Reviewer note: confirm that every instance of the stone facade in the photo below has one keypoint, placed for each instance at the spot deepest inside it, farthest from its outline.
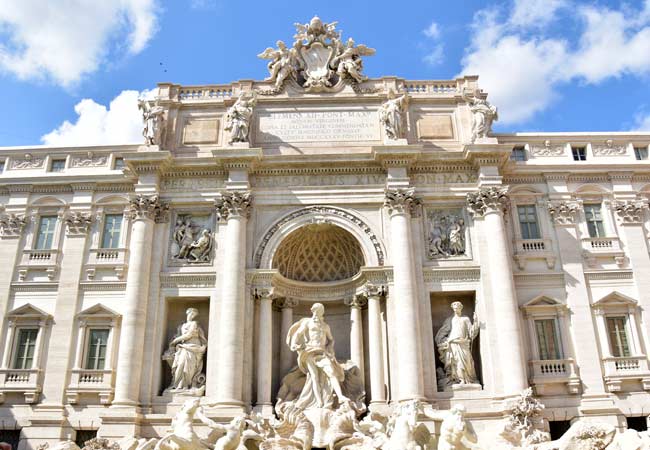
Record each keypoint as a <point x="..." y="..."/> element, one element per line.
<point x="249" y="203"/>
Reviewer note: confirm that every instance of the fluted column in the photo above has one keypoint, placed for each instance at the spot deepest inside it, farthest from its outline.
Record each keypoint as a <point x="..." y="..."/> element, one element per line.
<point x="264" y="349"/>
<point x="356" y="330"/>
<point x="375" y="344"/>
<point x="145" y="210"/>
<point x="234" y="208"/>
<point x="287" y="357"/>
<point x="489" y="205"/>
<point x="400" y="203"/>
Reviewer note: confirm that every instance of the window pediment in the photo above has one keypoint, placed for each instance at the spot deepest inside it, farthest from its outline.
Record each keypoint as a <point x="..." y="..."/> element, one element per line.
<point x="28" y="312"/>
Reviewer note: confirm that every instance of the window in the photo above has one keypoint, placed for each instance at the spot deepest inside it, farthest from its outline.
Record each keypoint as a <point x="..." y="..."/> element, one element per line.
<point x="641" y="153"/>
<point x="2" y="166"/>
<point x="618" y="342"/>
<point x="83" y="436"/>
<point x="579" y="153"/>
<point x="25" y="348"/>
<point x="97" y="343"/>
<point x="111" y="231"/>
<point x="118" y="164"/>
<point x="557" y="428"/>
<point x="518" y="153"/>
<point x="528" y="222"/>
<point x="11" y="437"/>
<point x="45" y="235"/>
<point x="57" y="165"/>
<point x="547" y="339"/>
<point x="594" y="217"/>
<point x="639" y="423"/>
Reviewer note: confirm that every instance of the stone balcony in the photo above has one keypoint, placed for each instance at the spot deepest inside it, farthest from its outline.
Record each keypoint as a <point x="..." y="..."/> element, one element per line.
<point x="549" y="372"/>
<point x="602" y="247"/>
<point x="115" y="259"/>
<point x="528" y="249"/>
<point x="92" y="382"/>
<point x="39" y="260"/>
<point x="24" y="381"/>
<point x="630" y="368"/>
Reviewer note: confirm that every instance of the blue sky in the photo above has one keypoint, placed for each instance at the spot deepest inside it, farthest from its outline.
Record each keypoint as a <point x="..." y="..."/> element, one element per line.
<point x="71" y="70"/>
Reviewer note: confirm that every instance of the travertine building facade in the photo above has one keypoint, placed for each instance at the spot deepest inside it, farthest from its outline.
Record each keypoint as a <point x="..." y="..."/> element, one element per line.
<point x="386" y="200"/>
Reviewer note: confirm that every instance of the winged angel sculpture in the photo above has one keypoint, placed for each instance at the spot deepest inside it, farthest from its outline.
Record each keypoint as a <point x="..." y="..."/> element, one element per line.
<point x="318" y="59"/>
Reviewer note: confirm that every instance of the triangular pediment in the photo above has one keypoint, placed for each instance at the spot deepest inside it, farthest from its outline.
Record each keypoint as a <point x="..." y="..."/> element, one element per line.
<point x="543" y="300"/>
<point x="615" y="298"/>
<point x="98" y="310"/>
<point x="28" y="311"/>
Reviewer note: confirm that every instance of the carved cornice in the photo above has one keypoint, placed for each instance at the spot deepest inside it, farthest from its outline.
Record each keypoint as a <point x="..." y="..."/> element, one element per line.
<point x="187" y="280"/>
<point x="401" y="201"/>
<point x="563" y="212"/>
<point x="455" y="275"/>
<point x="631" y="211"/>
<point x="149" y="207"/>
<point x="493" y="199"/>
<point x="11" y="225"/>
<point x="234" y="204"/>
<point x="77" y="222"/>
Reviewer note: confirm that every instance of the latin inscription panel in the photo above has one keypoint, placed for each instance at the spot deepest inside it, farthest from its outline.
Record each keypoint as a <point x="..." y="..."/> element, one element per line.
<point x="317" y="126"/>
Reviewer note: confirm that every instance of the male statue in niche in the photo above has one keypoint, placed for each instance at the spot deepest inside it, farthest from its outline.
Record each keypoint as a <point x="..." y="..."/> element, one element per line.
<point x="454" y="342"/>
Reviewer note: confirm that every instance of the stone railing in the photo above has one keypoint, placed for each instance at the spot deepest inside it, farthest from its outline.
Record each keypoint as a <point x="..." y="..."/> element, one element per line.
<point x="91" y="382"/>
<point x="39" y="257"/>
<point x="533" y="245"/>
<point x="529" y="249"/>
<point x="24" y="381"/>
<point x="547" y="372"/>
<point x="601" y="244"/>
<point x="620" y="369"/>
<point x="107" y="258"/>
<point x="434" y="87"/>
<point x="211" y="92"/>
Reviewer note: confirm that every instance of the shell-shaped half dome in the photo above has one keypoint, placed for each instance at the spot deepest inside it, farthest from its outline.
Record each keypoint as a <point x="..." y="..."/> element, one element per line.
<point x="319" y="253"/>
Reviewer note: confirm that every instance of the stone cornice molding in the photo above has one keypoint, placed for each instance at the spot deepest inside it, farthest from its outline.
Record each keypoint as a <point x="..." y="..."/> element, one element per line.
<point x="233" y="204"/>
<point x="143" y="206"/>
<point x="150" y="160"/>
<point x="19" y="188"/>
<point x="486" y="200"/>
<point x="401" y="201"/>
<point x="631" y="211"/>
<point x="238" y="158"/>
<point x="396" y="155"/>
<point x="77" y="223"/>
<point x="556" y="176"/>
<point x="11" y="225"/>
<point x="487" y="154"/>
<point x="564" y="212"/>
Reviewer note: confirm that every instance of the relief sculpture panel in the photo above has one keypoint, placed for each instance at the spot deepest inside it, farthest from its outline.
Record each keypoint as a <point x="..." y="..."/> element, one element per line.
<point x="192" y="241"/>
<point x="446" y="234"/>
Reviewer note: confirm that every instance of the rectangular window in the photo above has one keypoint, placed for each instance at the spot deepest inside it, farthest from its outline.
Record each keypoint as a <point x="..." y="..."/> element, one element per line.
<point x="2" y="166"/>
<point x="57" y="165"/>
<point x="579" y="153"/>
<point x="547" y="339"/>
<point x="111" y="231"/>
<point x="528" y="222"/>
<point x="518" y="153"/>
<point x="641" y="153"/>
<point x="618" y="342"/>
<point x="97" y="342"/>
<point x="118" y="164"/>
<point x="594" y="216"/>
<point x="25" y="348"/>
<point x="45" y="235"/>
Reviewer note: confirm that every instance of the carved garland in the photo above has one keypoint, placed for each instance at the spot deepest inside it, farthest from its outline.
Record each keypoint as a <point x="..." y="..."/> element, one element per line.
<point x="319" y="210"/>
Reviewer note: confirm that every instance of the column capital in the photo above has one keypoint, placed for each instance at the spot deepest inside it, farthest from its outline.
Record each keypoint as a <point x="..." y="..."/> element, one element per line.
<point x="11" y="225"/>
<point x="356" y="301"/>
<point x="77" y="222"/>
<point x="285" y="302"/>
<point x="401" y="201"/>
<point x="563" y="212"/>
<point x="143" y="206"/>
<point x="370" y="290"/>
<point x="265" y="293"/>
<point x="631" y="211"/>
<point x="488" y="200"/>
<point x="234" y="204"/>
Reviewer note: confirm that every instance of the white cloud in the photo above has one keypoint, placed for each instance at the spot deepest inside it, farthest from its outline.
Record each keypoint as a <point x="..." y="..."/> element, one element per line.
<point x="641" y="122"/>
<point x="120" y="123"/>
<point x="521" y="67"/>
<point x="436" y="53"/>
<point x="432" y="31"/>
<point x="63" y="40"/>
<point x="535" y="12"/>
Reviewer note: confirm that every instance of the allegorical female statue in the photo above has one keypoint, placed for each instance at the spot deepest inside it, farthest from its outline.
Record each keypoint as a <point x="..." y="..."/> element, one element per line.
<point x="454" y="341"/>
<point x="239" y="116"/>
<point x="392" y="115"/>
<point x="312" y="339"/>
<point x="185" y="356"/>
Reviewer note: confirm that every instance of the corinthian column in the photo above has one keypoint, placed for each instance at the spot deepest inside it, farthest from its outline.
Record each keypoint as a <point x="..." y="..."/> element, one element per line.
<point x="145" y="210"/>
<point x="400" y="203"/>
<point x="356" y="330"/>
<point x="489" y="205"/>
<point x="234" y="207"/>
<point x="265" y="351"/>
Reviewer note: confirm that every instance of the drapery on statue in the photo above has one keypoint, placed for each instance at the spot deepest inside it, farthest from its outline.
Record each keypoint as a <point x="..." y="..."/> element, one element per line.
<point x="349" y="62"/>
<point x="238" y="117"/>
<point x="185" y="355"/>
<point x="392" y="115"/>
<point x="312" y="339"/>
<point x="483" y="114"/>
<point x="283" y="63"/>
<point x="454" y="341"/>
<point x="153" y="118"/>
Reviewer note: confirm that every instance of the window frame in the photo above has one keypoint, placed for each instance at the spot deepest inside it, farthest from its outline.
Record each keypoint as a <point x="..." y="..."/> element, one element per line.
<point x="518" y="207"/>
<point x="559" y="351"/>
<point x="17" y="344"/>
<point x="37" y="231"/>
<point x="543" y="307"/>
<point x="616" y="305"/>
<point x="103" y="230"/>
<point x="613" y="346"/>
<point x="637" y="152"/>
<point x="57" y="159"/>
<point x="24" y="317"/>
<point x="579" y="152"/>
<point x="519" y="150"/>
<point x="604" y="229"/>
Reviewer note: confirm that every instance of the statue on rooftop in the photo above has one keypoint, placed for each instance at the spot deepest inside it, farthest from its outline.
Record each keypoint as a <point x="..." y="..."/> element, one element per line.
<point x="238" y="117"/>
<point x="392" y="115"/>
<point x="483" y="114"/>
<point x="153" y="118"/>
